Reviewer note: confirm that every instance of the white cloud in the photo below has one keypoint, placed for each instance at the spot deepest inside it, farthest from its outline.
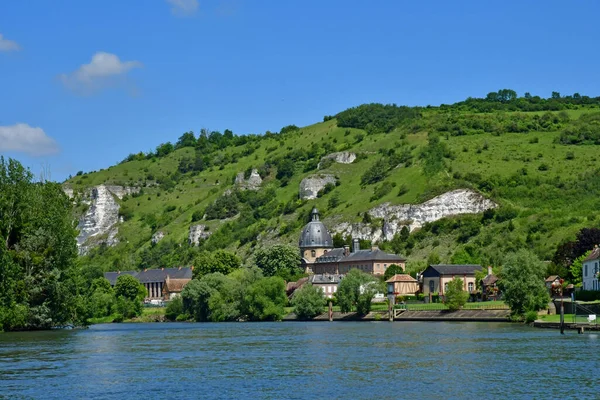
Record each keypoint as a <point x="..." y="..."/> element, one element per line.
<point x="8" y="45"/>
<point x="104" y="69"/>
<point x="27" y="139"/>
<point x="183" y="8"/>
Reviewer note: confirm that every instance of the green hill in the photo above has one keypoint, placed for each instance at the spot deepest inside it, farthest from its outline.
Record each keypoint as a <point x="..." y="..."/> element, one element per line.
<point x="536" y="158"/>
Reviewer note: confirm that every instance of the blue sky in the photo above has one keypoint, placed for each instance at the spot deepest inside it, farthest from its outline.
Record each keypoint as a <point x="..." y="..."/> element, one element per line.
<point x="85" y="83"/>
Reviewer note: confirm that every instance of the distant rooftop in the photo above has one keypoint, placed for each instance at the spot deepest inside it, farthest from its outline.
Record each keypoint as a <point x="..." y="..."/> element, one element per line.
<point x="151" y="275"/>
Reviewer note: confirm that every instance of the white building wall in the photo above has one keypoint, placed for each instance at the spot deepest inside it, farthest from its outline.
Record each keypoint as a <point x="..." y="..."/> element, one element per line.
<point x="590" y="279"/>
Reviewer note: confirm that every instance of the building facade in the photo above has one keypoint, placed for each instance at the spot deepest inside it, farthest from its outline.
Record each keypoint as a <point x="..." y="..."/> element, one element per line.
<point x="436" y="277"/>
<point x="591" y="270"/>
<point x="320" y="257"/>
<point x="402" y="285"/>
<point x="153" y="279"/>
<point x="326" y="282"/>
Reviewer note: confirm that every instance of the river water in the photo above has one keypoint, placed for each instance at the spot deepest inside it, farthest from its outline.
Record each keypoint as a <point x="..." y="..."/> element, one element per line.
<point x="294" y="360"/>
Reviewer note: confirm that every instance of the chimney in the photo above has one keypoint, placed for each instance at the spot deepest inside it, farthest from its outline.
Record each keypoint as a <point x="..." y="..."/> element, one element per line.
<point x="355" y="245"/>
<point x="346" y="250"/>
<point x="489" y="269"/>
<point x="374" y="248"/>
<point x="192" y="267"/>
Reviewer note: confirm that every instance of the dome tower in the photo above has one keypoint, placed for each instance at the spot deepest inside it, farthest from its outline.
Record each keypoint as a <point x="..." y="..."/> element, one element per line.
<point x="315" y="239"/>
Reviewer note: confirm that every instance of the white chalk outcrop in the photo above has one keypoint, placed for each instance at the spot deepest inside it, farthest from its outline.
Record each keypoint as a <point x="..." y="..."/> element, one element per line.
<point x="197" y="233"/>
<point x="310" y="186"/>
<point x="413" y="216"/>
<point x="99" y="224"/>
<point x="344" y="157"/>
<point x="252" y="183"/>
<point x="157" y="237"/>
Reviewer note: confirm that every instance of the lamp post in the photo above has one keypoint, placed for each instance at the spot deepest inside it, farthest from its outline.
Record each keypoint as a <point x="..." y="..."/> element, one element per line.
<point x="559" y="289"/>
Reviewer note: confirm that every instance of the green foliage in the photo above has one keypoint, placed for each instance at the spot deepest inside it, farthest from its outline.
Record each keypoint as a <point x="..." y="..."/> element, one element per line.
<point x="433" y="156"/>
<point x="522" y="282"/>
<point x="356" y="291"/>
<point x="220" y="261"/>
<point x="376" y="173"/>
<point x="129" y="288"/>
<point x="382" y="190"/>
<point x="265" y="300"/>
<point x="530" y="316"/>
<point x="392" y="270"/>
<point x="586" y="130"/>
<point x="308" y="302"/>
<point x="455" y="297"/>
<point x="375" y="118"/>
<point x="225" y="206"/>
<point x="279" y="260"/>
<point x="174" y="309"/>
<point x="39" y="284"/>
<point x="576" y="269"/>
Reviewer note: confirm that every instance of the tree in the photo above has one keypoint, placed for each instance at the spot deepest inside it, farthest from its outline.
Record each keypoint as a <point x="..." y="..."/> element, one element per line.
<point x="392" y="270"/>
<point x="186" y="140"/>
<point x="265" y="300"/>
<point x="522" y="282"/>
<point x="279" y="260"/>
<point x="356" y="291"/>
<point x="40" y="285"/>
<point x="455" y="296"/>
<point x="433" y="156"/>
<point x="308" y="302"/>
<point x="174" y="308"/>
<point x="219" y="261"/>
<point x="129" y="288"/>
<point x="377" y="172"/>
<point x="576" y="269"/>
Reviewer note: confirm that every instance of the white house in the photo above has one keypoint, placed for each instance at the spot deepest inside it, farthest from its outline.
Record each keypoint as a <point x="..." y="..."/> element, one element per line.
<point x="591" y="270"/>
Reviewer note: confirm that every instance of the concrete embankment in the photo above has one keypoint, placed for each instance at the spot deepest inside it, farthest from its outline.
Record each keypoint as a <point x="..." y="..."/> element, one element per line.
<point x="570" y="326"/>
<point x="461" y="315"/>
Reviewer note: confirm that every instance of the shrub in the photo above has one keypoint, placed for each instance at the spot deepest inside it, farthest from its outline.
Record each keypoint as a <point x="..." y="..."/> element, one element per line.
<point x="174" y="309"/>
<point x="308" y="302"/>
<point x="570" y="155"/>
<point x="530" y="316"/>
<point x="197" y="215"/>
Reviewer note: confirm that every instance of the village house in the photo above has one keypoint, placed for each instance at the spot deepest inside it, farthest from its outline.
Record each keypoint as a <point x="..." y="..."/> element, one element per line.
<point x="436" y="277"/>
<point x="402" y="285"/>
<point x="320" y="257"/>
<point x="590" y="270"/>
<point x="154" y="280"/>
<point x="173" y="287"/>
<point x="326" y="282"/>
<point x="489" y="286"/>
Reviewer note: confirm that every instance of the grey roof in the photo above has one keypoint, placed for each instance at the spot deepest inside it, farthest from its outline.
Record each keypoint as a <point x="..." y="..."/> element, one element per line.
<point x="490" y="280"/>
<point x="451" y="269"/>
<point x="151" y="275"/>
<point x="331" y="256"/>
<point x="315" y="234"/>
<point x="325" y="278"/>
<point x="372" y="255"/>
<point x="112" y="276"/>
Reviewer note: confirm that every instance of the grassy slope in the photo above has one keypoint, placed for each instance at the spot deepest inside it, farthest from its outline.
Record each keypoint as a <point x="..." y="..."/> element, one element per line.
<point x="505" y="155"/>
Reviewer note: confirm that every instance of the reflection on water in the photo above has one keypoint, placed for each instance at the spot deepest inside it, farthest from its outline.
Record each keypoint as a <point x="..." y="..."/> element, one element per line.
<point x="299" y="360"/>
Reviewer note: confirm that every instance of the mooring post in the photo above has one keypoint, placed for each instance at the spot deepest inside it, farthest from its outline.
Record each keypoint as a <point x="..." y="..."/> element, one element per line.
<point x="330" y="312"/>
<point x="562" y="310"/>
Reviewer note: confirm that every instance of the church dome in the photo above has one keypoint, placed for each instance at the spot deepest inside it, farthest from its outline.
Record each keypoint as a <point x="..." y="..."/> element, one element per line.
<point x="315" y="234"/>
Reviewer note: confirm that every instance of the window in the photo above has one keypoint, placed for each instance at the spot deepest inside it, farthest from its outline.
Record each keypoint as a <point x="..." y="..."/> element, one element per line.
<point x="313" y="253"/>
<point x="431" y="286"/>
<point x="446" y="287"/>
<point x="471" y="286"/>
<point x="585" y="271"/>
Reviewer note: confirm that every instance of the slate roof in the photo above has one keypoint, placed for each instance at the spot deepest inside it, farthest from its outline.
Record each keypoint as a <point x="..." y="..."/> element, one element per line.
<point x="112" y="276"/>
<point x="331" y="256"/>
<point x="454" y="269"/>
<point x="315" y="234"/>
<point x="325" y="278"/>
<point x="151" y="275"/>
<point x="594" y="255"/>
<point x="401" y="278"/>
<point x="372" y="255"/>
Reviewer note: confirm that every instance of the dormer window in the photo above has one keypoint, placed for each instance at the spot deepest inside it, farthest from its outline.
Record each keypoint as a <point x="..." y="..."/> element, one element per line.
<point x="313" y="253"/>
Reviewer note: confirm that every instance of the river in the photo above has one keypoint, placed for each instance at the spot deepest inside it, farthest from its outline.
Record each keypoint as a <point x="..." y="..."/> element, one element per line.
<point x="294" y="360"/>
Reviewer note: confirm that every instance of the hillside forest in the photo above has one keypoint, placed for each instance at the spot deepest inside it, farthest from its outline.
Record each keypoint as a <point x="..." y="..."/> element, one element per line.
<point x="535" y="157"/>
